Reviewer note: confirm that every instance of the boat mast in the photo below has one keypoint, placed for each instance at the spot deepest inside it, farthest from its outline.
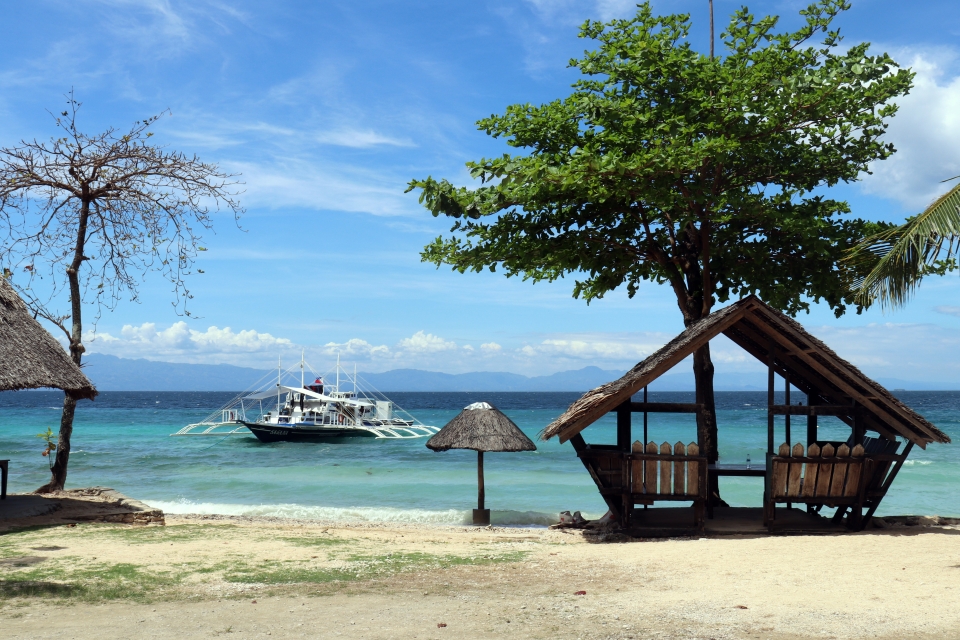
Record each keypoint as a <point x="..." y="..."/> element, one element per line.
<point x="355" y="379"/>
<point x="278" y="386"/>
<point x="301" y="369"/>
<point x="338" y="371"/>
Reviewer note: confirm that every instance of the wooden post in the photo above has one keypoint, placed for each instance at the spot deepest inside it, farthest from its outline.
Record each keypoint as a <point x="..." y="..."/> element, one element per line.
<point x="786" y="401"/>
<point x="645" y="439"/>
<point x="770" y="402"/>
<point x="480" y="495"/>
<point x="624" y="439"/>
<point x="812" y="399"/>
<point x="858" y="429"/>
<point x="624" y="444"/>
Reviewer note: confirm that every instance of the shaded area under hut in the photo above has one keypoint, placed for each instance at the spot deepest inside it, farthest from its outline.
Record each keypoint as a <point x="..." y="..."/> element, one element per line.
<point x="852" y="476"/>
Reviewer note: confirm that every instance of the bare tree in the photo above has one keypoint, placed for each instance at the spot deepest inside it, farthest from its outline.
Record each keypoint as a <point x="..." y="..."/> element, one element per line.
<point x="91" y="215"/>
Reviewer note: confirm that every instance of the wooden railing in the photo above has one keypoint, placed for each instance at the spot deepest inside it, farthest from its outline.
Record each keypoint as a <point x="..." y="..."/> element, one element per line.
<point x="660" y="471"/>
<point x="649" y="474"/>
<point x="828" y="476"/>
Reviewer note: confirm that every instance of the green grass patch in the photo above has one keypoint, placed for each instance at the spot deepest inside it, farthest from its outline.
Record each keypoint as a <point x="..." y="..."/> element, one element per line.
<point x="68" y="578"/>
<point x="160" y="535"/>
<point x="313" y="541"/>
<point x="358" y="567"/>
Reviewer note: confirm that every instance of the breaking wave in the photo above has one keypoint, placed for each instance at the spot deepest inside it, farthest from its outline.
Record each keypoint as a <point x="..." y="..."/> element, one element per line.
<point x="355" y="514"/>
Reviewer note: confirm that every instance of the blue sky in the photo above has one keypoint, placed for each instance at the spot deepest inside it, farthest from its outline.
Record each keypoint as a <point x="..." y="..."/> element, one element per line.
<point x="328" y="109"/>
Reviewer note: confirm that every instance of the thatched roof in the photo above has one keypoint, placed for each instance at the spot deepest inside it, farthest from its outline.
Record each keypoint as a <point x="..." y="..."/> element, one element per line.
<point x="762" y="331"/>
<point x="481" y="427"/>
<point x="31" y="358"/>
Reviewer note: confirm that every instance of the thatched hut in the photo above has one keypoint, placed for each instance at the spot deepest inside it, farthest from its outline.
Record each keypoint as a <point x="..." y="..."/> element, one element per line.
<point x="481" y="427"/>
<point x="31" y="357"/>
<point x="852" y="476"/>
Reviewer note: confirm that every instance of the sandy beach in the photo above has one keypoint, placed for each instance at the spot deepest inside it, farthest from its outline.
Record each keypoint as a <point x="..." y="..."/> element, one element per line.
<point x="202" y="577"/>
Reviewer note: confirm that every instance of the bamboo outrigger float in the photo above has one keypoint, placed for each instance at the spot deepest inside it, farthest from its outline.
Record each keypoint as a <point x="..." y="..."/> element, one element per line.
<point x="853" y="476"/>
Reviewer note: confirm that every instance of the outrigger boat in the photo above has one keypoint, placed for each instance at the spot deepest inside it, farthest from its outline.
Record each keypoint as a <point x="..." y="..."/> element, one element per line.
<point x="313" y="413"/>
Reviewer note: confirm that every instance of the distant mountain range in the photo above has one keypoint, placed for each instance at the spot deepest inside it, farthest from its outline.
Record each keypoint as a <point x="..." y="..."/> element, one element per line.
<point x="110" y="373"/>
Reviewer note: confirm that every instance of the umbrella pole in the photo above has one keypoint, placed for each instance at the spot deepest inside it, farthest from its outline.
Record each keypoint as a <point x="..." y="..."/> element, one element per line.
<point x="481" y="516"/>
<point x="480" y="479"/>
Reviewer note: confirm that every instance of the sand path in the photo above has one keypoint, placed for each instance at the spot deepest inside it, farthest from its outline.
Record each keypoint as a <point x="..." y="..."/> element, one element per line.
<point x="895" y="583"/>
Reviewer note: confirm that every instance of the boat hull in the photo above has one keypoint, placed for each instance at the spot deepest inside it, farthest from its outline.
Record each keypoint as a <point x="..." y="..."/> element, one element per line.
<point x="292" y="433"/>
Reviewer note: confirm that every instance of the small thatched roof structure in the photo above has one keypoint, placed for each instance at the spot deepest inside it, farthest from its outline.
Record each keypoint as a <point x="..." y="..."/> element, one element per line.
<point x="31" y="358"/>
<point x="481" y="427"/>
<point x="771" y="337"/>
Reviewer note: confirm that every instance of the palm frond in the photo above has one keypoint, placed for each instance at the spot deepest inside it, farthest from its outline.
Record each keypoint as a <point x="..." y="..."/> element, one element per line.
<point x="902" y="256"/>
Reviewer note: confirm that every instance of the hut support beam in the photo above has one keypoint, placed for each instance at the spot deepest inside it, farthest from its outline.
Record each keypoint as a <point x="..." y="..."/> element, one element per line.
<point x="580" y="445"/>
<point x="812" y="402"/>
<point x="770" y="381"/>
<point x="624" y="435"/>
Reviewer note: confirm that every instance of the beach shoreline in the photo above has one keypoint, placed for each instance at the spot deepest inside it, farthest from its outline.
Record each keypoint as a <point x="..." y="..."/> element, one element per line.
<point x="198" y="577"/>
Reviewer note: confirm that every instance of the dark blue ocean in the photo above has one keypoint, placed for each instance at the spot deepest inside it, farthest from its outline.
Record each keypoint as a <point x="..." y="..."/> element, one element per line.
<point x="122" y="440"/>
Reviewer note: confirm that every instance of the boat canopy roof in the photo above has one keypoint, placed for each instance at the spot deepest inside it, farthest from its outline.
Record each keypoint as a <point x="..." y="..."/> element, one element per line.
<point x="270" y="393"/>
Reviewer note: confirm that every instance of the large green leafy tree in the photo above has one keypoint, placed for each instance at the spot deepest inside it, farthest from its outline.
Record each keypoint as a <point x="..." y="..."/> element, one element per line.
<point x="694" y="171"/>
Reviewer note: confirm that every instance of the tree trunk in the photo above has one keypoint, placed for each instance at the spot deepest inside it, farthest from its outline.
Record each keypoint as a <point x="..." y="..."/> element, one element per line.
<point x="58" y="472"/>
<point x="707" y="419"/>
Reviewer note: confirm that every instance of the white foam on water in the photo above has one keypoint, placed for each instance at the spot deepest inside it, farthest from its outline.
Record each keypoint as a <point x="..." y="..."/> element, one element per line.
<point x="354" y="514"/>
<point x="913" y="462"/>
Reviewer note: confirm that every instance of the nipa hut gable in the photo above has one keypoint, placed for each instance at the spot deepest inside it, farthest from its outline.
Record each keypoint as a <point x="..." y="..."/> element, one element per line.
<point x="31" y="357"/>
<point x="760" y="330"/>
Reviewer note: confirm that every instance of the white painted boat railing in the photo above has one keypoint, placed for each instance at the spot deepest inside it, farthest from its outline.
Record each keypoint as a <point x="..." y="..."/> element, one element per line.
<point x="238" y="429"/>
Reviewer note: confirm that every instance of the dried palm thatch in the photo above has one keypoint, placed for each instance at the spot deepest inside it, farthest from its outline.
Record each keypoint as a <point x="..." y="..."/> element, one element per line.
<point x="481" y="427"/>
<point x="31" y="358"/>
<point x="775" y="339"/>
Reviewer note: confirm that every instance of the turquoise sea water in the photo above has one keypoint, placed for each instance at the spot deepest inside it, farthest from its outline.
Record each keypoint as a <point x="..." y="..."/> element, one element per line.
<point x="121" y="440"/>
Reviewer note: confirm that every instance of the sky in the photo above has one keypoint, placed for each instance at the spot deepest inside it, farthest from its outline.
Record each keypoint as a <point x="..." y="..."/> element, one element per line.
<point x="328" y="109"/>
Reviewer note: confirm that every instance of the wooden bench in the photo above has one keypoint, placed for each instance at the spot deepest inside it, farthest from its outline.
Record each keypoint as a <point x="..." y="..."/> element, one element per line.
<point x="665" y="473"/>
<point x="651" y="473"/>
<point x="833" y="477"/>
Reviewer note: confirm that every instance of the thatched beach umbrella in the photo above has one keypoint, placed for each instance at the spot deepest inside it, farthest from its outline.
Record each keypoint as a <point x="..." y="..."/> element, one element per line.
<point x="31" y="358"/>
<point x="481" y="427"/>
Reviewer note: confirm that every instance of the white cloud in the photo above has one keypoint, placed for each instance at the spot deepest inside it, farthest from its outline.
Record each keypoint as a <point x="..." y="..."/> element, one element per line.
<point x="360" y="139"/>
<point x="948" y="310"/>
<point x="926" y="133"/>
<point x="610" y="9"/>
<point x="421" y="342"/>
<point x="910" y="352"/>
<point x="621" y="348"/>
<point x="920" y="352"/>
<point x="319" y="185"/>
<point x="179" y="342"/>
<point x="357" y="349"/>
<point x="575" y="11"/>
